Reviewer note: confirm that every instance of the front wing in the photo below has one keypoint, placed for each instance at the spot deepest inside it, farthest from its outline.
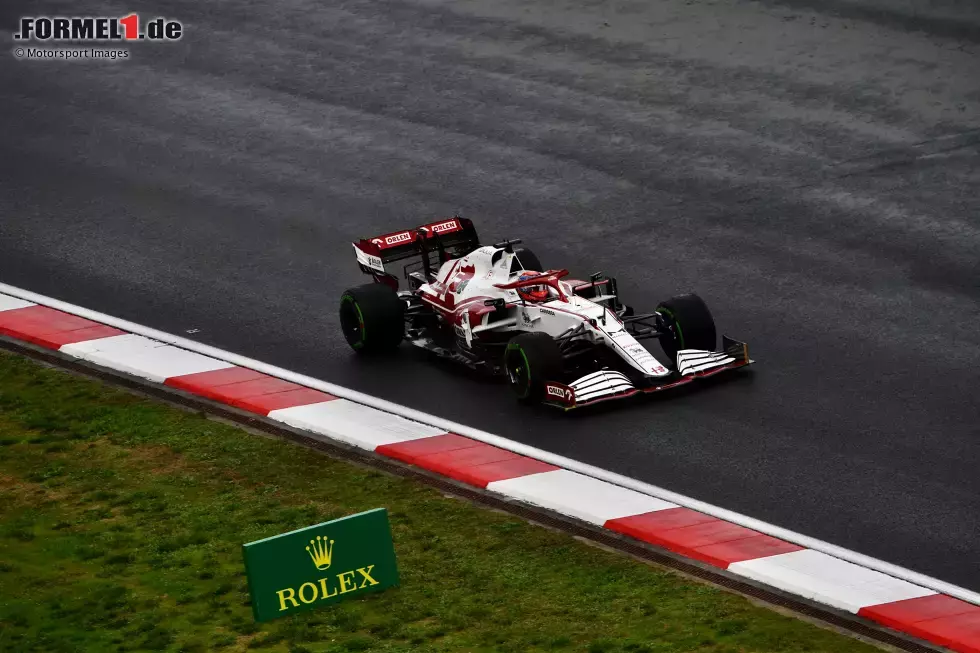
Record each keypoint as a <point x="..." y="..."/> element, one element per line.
<point x="605" y="385"/>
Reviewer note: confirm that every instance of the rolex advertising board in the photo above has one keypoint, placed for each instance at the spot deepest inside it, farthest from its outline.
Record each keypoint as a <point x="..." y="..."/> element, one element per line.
<point x="316" y="566"/>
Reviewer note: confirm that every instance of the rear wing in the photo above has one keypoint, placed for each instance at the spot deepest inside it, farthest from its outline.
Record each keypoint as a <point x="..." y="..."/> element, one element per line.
<point x="442" y="240"/>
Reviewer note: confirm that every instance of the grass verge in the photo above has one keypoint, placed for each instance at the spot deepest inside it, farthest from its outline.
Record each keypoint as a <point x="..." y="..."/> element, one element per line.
<point x="122" y="519"/>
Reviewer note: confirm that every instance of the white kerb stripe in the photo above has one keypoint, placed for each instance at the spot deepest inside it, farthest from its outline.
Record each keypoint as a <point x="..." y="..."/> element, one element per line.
<point x="584" y="497"/>
<point x="142" y="357"/>
<point x="356" y="424"/>
<point x="8" y="303"/>
<point x="828" y="580"/>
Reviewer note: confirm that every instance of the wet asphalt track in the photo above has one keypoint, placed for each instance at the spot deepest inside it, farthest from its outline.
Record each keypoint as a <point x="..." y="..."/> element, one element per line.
<point x="813" y="173"/>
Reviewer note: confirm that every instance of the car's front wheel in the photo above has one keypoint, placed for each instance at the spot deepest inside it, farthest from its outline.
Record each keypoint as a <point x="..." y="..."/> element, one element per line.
<point x="531" y="360"/>
<point x="372" y="318"/>
<point x="689" y="325"/>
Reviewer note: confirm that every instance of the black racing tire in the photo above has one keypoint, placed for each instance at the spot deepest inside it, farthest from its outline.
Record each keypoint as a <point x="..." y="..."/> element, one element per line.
<point x="528" y="259"/>
<point x="531" y="360"/>
<point x="372" y="318"/>
<point x="689" y="324"/>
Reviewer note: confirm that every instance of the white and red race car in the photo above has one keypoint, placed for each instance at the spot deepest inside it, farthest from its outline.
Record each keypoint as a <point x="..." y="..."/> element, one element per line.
<point x="559" y="341"/>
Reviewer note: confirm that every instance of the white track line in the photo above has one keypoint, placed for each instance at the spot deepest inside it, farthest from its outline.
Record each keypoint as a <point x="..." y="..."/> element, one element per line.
<point x="805" y="541"/>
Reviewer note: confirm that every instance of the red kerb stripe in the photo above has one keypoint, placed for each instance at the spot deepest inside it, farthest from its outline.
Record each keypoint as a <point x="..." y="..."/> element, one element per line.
<point x="50" y="328"/>
<point x="703" y="537"/>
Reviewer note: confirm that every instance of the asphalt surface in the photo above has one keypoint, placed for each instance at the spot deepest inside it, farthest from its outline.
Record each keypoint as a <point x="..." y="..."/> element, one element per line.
<point x="810" y="168"/>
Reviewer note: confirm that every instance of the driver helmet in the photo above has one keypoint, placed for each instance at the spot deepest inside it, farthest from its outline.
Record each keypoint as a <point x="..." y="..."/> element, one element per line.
<point x="537" y="293"/>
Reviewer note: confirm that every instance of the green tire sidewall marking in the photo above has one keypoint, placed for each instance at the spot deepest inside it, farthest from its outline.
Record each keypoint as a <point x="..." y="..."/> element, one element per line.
<point x="349" y="299"/>
<point x="527" y="366"/>
<point x="677" y="325"/>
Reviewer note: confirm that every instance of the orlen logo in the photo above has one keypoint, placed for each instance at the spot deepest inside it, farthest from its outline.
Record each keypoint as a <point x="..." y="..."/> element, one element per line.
<point x="560" y="392"/>
<point x="398" y="238"/>
<point x="444" y="226"/>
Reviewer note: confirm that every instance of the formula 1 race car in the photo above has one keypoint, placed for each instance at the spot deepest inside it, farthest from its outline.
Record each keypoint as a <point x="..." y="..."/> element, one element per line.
<point x="559" y="341"/>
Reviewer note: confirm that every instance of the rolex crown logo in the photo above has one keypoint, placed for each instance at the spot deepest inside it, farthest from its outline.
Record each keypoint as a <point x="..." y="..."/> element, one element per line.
<point x="321" y="550"/>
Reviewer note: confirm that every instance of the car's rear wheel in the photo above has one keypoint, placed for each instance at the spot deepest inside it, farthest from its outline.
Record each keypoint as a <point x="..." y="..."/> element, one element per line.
<point x="531" y="360"/>
<point x="689" y="325"/>
<point x="528" y="260"/>
<point x="372" y="318"/>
